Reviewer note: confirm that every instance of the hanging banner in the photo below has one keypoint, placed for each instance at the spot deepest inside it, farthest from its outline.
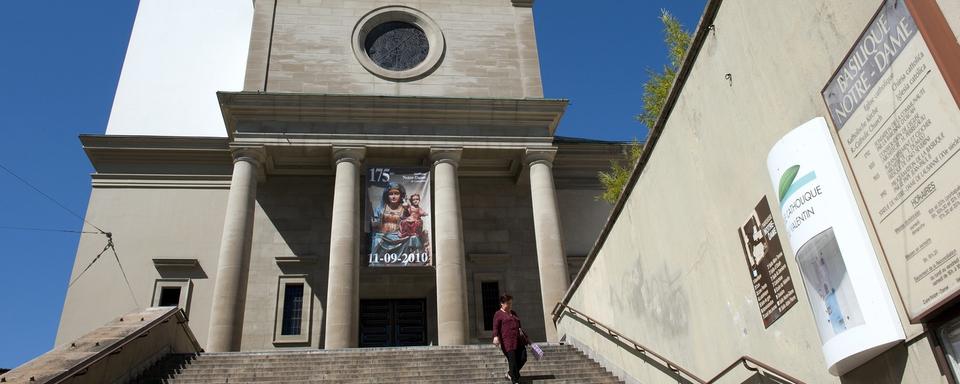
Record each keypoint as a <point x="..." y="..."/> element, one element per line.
<point x="398" y="217"/>
<point x="899" y="126"/>
<point x="767" y="265"/>
<point x="851" y="303"/>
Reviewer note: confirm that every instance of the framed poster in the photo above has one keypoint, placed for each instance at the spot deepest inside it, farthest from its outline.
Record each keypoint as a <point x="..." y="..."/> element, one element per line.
<point x="894" y="105"/>
<point x="766" y="263"/>
<point x="399" y="233"/>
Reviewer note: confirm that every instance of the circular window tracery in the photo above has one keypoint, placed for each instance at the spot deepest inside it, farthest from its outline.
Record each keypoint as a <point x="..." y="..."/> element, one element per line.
<point x="398" y="43"/>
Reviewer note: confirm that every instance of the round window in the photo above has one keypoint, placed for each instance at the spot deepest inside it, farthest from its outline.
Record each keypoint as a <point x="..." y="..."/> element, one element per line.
<point x="397" y="46"/>
<point x="398" y="43"/>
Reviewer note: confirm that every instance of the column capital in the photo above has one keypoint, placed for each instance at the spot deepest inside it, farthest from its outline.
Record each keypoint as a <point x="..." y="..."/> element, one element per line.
<point x="543" y="155"/>
<point x="353" y="155"/>
<point x="253" y="155"/>
<point x="449" y="155"/>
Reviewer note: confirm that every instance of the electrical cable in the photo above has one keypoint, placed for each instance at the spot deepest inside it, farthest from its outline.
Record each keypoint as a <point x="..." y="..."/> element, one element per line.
<point x="45" y="229"/>
<point x="125" y="280"/>
<point x="24" y="181"/>
<point x="109" y="235"/>
<point x="91" y="264"/>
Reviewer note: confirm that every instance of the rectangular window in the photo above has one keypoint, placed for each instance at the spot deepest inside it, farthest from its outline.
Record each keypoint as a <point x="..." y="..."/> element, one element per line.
<point x="490" y="292"/>
<point x="172" y="293"/>
<point x="169" y="297"/>
<point x="293" y="324"/>
<point x="292" y="309"/>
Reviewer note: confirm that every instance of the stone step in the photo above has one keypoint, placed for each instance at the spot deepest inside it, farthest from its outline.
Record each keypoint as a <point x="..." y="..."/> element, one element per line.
<point x="500" y="380"/>
<point x="399" y="372"/>
<point x="381" y="359"/>
<point x="461" y="364"/>
<point x="449" y="378"/>
<point x="489" y="364"/>
<point x="361" y="355"/>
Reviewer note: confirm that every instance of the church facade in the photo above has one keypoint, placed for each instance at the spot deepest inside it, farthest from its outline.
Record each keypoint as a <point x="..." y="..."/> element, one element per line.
<point x="371" y="174"/>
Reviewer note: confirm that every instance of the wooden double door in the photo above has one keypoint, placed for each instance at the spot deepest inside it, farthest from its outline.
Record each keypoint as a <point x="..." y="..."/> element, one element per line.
<point x="393" y="322"/>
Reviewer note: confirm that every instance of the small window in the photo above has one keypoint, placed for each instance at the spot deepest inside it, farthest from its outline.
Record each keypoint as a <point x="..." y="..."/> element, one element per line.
<point x="172" y="293"/>
<point x="169" y="297"/>
<point x="292" y="309"/>
<point x="294" y="316"/>
<point x="490" y="291"/>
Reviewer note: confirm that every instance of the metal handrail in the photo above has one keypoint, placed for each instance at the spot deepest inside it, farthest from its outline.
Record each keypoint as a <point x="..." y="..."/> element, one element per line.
<point x="676" y="368"/>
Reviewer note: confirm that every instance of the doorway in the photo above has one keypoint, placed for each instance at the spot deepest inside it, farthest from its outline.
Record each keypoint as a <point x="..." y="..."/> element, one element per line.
<point x="393" y="322"/>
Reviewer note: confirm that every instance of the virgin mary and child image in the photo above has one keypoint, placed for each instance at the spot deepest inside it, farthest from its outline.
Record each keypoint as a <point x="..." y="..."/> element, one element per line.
<point x="398" y="235"/>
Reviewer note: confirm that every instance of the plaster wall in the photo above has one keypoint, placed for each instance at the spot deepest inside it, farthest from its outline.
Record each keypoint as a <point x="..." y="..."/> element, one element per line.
<point x="491" y="49"/>
<point x="147" y="224"/>
<point x="181" y="52"/>
<point x="672" y="275"/>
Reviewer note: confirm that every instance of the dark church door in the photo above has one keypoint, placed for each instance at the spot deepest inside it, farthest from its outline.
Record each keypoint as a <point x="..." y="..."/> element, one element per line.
<point x="393" y="323"/>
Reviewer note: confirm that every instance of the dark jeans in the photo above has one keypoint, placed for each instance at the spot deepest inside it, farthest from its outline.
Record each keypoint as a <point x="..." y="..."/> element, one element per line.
<point x="516" y="359"/>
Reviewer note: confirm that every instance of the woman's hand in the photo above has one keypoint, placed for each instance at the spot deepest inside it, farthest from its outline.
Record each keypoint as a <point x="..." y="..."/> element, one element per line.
<point x="496" y="341"/>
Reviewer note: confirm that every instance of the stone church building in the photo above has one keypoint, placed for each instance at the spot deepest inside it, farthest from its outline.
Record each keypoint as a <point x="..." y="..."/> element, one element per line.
<point x="235" y="175"/>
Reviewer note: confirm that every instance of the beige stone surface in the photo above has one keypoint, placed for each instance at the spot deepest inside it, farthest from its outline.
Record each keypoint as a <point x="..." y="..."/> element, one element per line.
<point x="293" y="219"/>
<point x="671" y="274"/>
<point x="232" y="264"/>
<point x="450" y="262"/>
<point x="551" y="258"/>
<point x="490" y="50"/>
<point x="147" y="223"/>
<point x="115" y="352"/>
<point x="343" y="284"/>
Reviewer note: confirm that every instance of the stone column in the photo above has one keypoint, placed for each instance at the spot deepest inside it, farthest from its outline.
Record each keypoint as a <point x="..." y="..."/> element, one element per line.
<point x="551" y="257"/>
<point x="343" y="284"/>
<point x="449" y="260"/>
<point x="228" y="289"/>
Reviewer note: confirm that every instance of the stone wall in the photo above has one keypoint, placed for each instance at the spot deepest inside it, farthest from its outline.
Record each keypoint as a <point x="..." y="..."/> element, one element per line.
<point x="147" y="224"/>
<point x="671" y="274"/>
<point x="292" y="218"/>
<point x="490" y="49"/>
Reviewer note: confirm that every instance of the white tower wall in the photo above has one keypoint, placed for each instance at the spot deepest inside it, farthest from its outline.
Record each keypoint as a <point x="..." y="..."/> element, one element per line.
<point x="181" y="53"/>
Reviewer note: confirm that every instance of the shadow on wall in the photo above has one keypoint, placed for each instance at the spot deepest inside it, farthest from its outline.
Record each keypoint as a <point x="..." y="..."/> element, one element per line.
<point x="758" y="378"/>
<point x="887" y="368"/>
<point x="667" y="371"/>
<point x="299" y="212"/>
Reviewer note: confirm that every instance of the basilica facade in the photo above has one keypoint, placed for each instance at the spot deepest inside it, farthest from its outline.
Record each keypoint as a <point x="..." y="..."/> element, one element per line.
<point x="335" y="174"/>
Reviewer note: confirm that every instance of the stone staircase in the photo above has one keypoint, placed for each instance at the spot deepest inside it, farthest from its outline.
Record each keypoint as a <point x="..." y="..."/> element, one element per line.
<point x="460" y="364"/>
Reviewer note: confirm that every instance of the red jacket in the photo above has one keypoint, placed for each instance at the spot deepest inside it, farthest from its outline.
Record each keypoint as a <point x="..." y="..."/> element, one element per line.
<point x="507" y="328"/>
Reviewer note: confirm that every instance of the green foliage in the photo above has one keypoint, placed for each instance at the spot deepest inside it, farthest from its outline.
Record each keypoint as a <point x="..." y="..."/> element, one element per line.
<point x="656" y="89"/>
<point x="655" y="92"/>
<point x="616" y="178"/>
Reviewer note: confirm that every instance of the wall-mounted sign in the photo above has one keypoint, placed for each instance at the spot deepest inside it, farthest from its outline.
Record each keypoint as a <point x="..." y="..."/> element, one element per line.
<point x="899" y="126"/>
<point x="851" y="303"/>
<point x="398" y="217"/>
<point x="767" y="264"/>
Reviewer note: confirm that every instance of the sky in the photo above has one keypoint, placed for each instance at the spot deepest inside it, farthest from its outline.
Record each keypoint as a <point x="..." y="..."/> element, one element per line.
<point x="60" y="64"/>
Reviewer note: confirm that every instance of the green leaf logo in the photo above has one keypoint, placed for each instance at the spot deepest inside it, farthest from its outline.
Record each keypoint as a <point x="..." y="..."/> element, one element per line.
<point x="787" y="179"/>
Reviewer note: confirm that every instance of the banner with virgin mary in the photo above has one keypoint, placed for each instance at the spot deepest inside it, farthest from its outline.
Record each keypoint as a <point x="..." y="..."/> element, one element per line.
<point x="398" y="217"/>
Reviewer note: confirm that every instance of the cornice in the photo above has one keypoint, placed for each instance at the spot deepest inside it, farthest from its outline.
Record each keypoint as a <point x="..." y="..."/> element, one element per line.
<point x="141" y="155"/>
<point x="523" y="3"/>
<point x="255" y="112"/>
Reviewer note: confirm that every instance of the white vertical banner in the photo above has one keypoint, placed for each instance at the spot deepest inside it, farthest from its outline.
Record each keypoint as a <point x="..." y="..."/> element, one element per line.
<point x="851" y="303"/>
